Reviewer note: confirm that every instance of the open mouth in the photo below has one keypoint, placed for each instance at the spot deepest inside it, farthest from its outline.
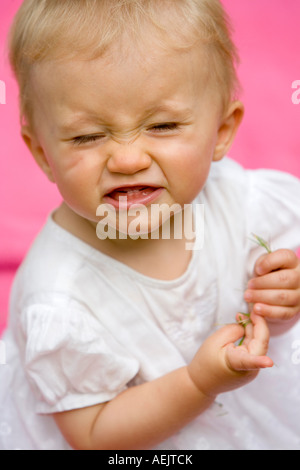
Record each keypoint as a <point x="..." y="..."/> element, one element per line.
<point x="124" y="197"/>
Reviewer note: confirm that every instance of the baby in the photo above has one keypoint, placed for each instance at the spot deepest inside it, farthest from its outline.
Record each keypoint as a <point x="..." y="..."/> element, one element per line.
<point x="114" y="340"/>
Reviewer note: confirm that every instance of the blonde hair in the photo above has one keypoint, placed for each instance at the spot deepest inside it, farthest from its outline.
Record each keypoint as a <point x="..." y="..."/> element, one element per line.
<point x="45" y="30"/>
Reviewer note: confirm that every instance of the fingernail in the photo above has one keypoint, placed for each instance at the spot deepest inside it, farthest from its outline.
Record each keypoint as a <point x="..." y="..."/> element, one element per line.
<point x="259" y="270"/>
<point x="247" y="295"/>
<point x="257" y="308"/>
<point x="250" y="285"/>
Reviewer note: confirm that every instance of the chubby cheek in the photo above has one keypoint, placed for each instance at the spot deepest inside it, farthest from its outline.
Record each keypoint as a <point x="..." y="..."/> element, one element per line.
<point x="77" y="180"/>
<point x="188" y="173"/>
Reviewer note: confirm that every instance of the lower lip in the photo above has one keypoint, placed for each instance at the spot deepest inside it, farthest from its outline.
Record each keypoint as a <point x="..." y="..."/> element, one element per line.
<point x="127" y="202"/>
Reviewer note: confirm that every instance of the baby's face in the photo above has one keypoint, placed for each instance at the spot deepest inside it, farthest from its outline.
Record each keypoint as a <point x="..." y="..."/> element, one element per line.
<point x="144" y="128"/>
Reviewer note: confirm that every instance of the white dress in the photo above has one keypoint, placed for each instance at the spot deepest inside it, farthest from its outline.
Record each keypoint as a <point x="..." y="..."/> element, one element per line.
<point x="83" y="326"/>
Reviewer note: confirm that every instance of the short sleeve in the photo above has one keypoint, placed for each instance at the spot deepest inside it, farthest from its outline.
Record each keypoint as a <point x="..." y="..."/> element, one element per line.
<point x="273" y="210"/>
<point x="71" y="361"/>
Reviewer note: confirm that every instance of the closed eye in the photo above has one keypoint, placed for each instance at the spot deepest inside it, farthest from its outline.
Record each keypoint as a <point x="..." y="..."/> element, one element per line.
<point x="164" y="127"/>
<point x="85" y="139"/>
<point x="157" y="128"/>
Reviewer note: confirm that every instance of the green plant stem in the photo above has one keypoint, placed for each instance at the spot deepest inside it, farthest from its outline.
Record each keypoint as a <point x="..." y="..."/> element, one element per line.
<point x="261" y="242"/>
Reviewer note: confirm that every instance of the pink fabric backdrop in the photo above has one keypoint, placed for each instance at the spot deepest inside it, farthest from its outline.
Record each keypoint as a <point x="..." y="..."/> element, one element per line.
<point x="267" y="35"/>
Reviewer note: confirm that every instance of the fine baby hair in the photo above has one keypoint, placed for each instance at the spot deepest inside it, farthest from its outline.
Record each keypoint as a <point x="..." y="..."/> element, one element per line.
<point x="45" y="30"/>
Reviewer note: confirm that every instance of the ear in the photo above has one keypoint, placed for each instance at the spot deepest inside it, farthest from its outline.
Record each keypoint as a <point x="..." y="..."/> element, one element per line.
<point x="36" y="149"/>
<point x="228" y="129"/>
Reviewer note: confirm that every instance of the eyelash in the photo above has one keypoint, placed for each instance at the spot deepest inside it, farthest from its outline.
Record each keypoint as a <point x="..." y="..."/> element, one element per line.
<point x="169" y="126"/>
<point x="85" y="139"/>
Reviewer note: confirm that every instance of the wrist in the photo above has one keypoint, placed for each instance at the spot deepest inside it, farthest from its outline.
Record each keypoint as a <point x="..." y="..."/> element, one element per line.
<point x="202" y="383"/>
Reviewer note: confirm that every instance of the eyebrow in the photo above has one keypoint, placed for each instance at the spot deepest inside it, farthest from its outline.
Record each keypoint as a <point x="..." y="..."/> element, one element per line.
<point x="173" y="109"/>
<point x="179" y="113"/>
<point x="73" y="125"/>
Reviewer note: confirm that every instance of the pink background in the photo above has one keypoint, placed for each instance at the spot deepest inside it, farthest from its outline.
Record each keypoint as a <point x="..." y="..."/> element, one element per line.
<point x="267" y="35"/>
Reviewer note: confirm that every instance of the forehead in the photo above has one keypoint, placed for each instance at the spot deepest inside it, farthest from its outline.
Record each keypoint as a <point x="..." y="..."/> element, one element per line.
<point x="121" y="56"/>
<point x="135" y="84"/>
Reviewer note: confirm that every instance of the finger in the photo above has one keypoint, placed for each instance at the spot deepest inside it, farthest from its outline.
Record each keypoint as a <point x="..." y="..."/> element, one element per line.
<point x="276" y="313"/>
<point x="284" y="278"/>
<point x="228" y="334"/>
<point x="279" y="297"/>
<point x="280" y="259"/>
<point x="259" y="343"/>
<point x="246" y="322"/>
<point x="239" y="359"/>
<point x="248" y="333"/>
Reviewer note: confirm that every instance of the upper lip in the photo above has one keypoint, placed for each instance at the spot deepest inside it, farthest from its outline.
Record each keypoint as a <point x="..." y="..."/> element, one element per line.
<point x="131" y="185"/>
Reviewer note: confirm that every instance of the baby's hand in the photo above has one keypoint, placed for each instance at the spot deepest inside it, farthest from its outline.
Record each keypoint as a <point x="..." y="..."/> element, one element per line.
<point x="220" y="366"/>
<point x="275" y="291"/>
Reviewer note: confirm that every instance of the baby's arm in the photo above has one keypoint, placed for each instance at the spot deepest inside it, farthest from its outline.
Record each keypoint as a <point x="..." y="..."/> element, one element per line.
<point x="144" y="415"/>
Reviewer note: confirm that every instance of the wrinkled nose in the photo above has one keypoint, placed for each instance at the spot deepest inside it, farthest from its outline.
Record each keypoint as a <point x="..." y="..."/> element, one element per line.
<point x="127" y="158"/>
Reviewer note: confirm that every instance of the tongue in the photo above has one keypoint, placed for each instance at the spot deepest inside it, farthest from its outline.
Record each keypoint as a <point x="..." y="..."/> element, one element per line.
<point x="131" y="193"/>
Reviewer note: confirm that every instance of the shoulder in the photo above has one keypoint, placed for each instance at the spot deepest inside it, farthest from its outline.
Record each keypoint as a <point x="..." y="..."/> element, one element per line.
<point x="251" y="190"/>
<point x="239" y="202"/>
<point x="229" y="171"/>
<point x="56" y="262"/>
